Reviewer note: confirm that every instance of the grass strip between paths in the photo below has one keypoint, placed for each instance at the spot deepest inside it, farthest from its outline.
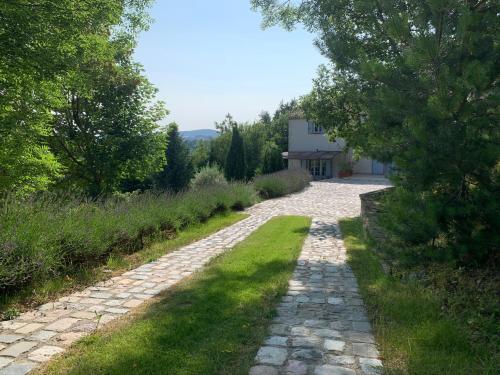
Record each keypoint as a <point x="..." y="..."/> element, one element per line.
<point x="118" y="263"/>
<point x="211" y="323"/>
<point x="412" y="333"/>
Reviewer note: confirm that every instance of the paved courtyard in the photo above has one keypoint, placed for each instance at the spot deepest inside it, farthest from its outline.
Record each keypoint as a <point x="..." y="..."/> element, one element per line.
<point x="321" y="327"/>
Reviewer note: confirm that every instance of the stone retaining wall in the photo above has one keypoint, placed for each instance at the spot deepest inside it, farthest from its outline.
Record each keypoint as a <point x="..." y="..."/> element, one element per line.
<point x="370" y="209"/>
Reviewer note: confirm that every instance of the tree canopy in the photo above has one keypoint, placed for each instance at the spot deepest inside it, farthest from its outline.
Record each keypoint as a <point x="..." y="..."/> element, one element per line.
<point x="415" y="83"/>
<point x="59" y="65"/>
<point x="272" y="161"/>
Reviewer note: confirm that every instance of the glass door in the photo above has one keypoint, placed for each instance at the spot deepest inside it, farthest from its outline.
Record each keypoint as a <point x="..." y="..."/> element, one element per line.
<point x="315" y="168"/>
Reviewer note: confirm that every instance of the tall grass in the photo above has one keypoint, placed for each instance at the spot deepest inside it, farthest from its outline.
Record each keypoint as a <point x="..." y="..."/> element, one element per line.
<point x="51" y="236"/>
<point x="281" y="183"/>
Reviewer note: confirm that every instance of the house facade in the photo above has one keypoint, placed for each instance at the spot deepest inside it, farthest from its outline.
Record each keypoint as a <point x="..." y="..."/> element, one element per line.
<point x="309" y="148"/>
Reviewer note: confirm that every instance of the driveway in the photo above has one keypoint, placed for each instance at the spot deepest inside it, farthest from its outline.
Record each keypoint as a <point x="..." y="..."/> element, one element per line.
<point x="322" y="327"/>
<point x="328" y="199"/>
<point x="322" y="280"/>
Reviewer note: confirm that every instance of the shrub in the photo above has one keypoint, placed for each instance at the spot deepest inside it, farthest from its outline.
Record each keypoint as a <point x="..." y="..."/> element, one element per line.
<point x="281" y="183"/>
<point x="50" y="236"/>
<point x="208" y="176"/>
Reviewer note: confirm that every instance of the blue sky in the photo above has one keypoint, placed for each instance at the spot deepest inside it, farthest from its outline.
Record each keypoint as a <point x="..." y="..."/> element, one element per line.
<point x="208" y="58"/>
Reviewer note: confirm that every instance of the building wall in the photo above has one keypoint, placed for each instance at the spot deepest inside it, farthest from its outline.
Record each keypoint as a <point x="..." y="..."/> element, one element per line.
<point x="330" y="170"/>
<point x="294" y="164"/>
<point x="363" y="165"/>
<point x="299" y="139"/>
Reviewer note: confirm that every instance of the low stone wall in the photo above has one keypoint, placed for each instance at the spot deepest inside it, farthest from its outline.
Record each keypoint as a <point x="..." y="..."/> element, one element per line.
<point x="370" y="210"/>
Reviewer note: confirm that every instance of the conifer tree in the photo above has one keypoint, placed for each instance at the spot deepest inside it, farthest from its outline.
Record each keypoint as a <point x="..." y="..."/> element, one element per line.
<point x="235" y="166"/>
<point x="179" y="168"/>
<point x="415" y="83"/>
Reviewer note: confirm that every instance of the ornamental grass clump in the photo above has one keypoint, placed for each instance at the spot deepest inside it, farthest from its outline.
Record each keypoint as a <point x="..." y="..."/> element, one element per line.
<point x="281" y="183"/>
<point x="48" y="236"/>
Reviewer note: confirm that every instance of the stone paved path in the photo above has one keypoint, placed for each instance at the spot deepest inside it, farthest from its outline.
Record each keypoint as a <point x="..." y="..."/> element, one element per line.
<point x="302" y="326"/>
<point x="321" y="327"/>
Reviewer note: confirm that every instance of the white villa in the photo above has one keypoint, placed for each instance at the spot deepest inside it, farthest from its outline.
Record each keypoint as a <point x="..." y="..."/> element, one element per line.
<point x="310" y="148"/>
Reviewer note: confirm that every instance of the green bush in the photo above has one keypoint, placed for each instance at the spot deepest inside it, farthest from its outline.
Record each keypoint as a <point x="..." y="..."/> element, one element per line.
<point x="208" y="176"/>
<point x="48" y="236"/>
<point x="281" y="183"/>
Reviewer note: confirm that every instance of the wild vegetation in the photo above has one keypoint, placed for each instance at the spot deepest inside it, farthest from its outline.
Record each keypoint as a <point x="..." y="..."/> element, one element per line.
<point x="212" y="323"/>
<point x="428" y="319"/>
<point x="415" y="83"/>
<point x="208" y="176"/>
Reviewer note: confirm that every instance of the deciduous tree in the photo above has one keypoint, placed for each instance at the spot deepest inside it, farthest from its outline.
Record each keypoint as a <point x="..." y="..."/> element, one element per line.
<point x="272" y="160"/>
<point x="107" y="131"/>
<point x="42" y="44"/>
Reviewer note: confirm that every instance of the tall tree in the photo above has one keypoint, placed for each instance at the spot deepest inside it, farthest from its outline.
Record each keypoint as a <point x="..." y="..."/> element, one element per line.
<point x="107" y="130"/>
<point x="200" y="155"/>
<point x="219" y="147"/>
<point x="26" y="162"/>
<point x="415" y="82"/>
<point x="254" y="138"/>
<point x="42" y="42"/>
<point x="272" y="160"/>
<point x="226" y="125"/>
<point x="235" y="167"/>
<point x="179" y="168"/>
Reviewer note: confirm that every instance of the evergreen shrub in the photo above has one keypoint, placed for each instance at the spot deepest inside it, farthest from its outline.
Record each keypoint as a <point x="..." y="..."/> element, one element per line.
<point x="281" y="183"/>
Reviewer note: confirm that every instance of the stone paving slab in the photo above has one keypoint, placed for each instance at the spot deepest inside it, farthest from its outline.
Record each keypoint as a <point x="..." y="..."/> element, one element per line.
<point x="38" y="335"/>
<point x="322" y="326"/>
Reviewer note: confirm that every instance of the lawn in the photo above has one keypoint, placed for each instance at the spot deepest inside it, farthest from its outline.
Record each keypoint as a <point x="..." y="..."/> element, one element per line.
<point x="211" y="323"/>
<point x="415" y="337"/>
<point x="47" y="290"/>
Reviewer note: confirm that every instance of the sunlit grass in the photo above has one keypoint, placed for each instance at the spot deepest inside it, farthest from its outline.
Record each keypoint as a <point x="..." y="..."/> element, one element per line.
<point x="414" y="336"/>
<point x="212" y="323"/>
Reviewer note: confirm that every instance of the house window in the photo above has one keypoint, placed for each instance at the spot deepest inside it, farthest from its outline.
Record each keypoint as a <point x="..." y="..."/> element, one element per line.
<point x="317" y="167"/>
<point x="315" y="129"/>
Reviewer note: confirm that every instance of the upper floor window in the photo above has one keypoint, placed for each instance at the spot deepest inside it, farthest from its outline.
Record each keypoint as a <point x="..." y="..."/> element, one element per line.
<point x="314" y="128"/>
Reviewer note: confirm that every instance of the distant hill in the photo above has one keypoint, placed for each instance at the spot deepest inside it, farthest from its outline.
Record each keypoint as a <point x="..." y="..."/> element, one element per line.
<point x="195" y="135"/>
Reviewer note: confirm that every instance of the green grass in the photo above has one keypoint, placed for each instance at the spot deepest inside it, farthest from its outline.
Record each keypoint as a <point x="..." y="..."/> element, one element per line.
<point x="212" y="323"/>
<point x="117" y="263"/>
<point x="415" y="337"/>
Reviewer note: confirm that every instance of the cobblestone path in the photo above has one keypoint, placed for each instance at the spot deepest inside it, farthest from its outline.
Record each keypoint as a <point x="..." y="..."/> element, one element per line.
<point x="321" y="321"/>
<point x="321" y="327"/>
